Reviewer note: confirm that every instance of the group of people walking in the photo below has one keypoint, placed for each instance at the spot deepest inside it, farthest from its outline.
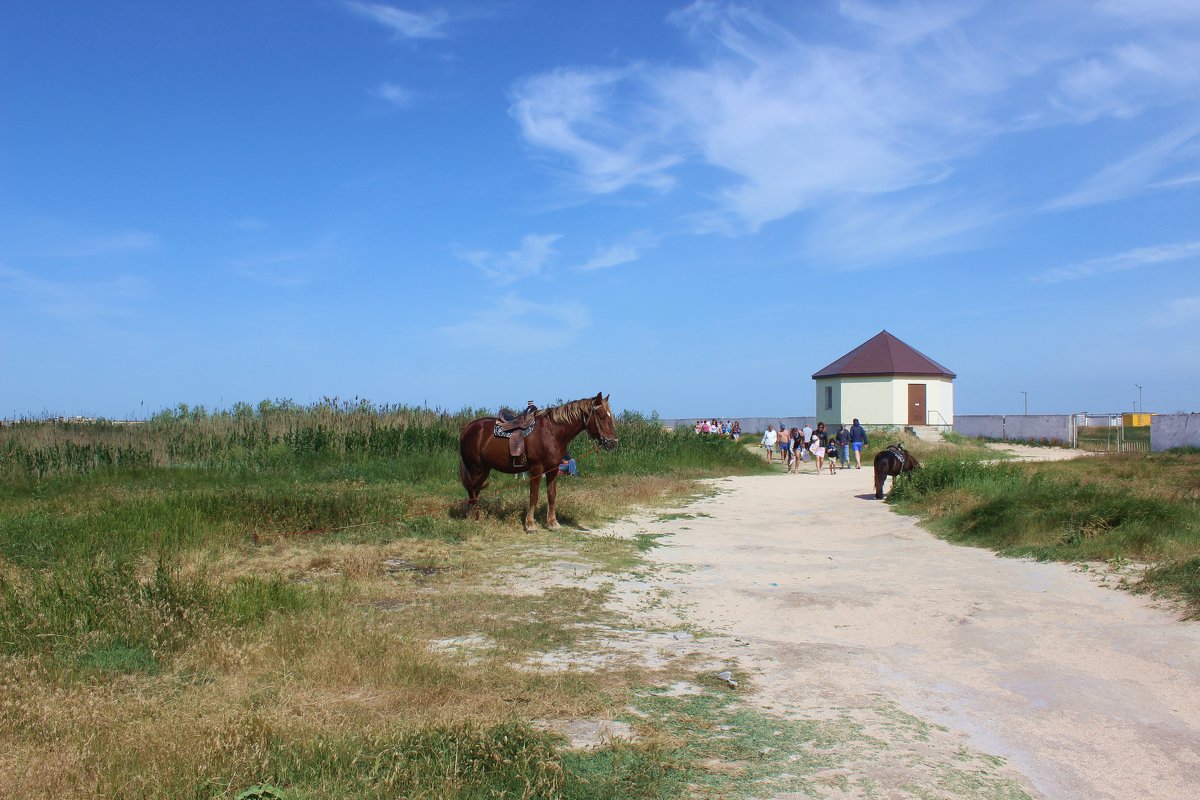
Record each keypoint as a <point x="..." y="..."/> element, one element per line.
<point x="720" y="427"/>
<point x="796" y="446"/>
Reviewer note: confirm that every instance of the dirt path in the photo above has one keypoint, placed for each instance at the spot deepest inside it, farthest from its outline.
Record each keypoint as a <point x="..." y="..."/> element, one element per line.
<point x="838" y="608"/>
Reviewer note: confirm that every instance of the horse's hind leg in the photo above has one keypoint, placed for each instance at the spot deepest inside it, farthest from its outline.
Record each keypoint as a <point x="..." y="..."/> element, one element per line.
<point x="473" y="482"/>
<point x="880" y="477"/>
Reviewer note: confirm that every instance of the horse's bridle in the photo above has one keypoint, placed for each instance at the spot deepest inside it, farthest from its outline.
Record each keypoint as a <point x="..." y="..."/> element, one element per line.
<point x="605" y="442"/>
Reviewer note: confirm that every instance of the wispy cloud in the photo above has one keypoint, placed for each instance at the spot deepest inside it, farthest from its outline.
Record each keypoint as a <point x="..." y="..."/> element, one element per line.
<point x="623" y="252"/>
<point x="856" y="232"/>
<point x="771" y="119"/>
<point x="116" y="243"/>
<point x="1132" y="174"/>
<point x="1123" y="262"/>
<point x="1177" y="311"/>
<point x="569" y="112"/>
<point x="536" y="326"/>
<point x="394" y="94"/>
<point x="405" y="24"/>
<point x="292" y="268"/>
<point x="529" y="259"/>
<point x="68" y="300"/>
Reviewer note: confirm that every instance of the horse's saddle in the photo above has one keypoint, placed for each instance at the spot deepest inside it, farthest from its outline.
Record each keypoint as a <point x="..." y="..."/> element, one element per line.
<point x="515" y="426"/>
<point x="898" y="452"/>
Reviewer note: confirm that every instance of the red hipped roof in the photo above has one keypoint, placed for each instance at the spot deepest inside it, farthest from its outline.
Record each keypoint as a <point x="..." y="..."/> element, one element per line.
<point x="883" y="354"/>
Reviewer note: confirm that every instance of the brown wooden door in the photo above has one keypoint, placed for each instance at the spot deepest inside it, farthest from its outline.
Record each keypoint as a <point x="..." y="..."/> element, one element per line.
<point x="916" y="404"/>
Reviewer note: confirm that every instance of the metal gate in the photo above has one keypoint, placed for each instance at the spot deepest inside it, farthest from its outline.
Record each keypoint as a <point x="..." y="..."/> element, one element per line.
<point x="1108" y="433"/>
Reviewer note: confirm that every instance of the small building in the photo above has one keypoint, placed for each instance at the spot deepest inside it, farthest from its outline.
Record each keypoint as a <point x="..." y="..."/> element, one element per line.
<point x="883" y="381"/>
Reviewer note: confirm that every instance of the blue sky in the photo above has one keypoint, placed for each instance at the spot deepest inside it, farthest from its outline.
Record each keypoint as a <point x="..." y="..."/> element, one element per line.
<point x="691" y="206"/>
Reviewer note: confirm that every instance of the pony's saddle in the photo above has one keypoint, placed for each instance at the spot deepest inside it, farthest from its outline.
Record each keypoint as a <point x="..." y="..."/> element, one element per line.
<point x="899" y="452"/>
<point x="515" y="426"/>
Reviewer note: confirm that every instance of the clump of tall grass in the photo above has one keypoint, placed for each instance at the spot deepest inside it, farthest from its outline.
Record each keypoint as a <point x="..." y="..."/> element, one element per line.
<point x="1047" y="512"/>
<point x="104" y="615"/>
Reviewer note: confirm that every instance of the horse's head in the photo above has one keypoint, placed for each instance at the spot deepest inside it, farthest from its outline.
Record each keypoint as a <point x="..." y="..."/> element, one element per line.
<point x="601" y="425"/>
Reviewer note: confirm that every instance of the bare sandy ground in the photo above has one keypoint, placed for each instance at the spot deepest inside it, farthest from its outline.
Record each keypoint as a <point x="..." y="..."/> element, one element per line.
<point x="838" y="608"/>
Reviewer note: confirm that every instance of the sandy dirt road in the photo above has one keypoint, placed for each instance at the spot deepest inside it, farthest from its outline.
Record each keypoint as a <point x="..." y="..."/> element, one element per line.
<point x="837" y="607"/>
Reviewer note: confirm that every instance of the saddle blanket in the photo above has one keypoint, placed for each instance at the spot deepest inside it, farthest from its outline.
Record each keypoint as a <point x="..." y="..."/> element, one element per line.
<point x="508" y="434"/>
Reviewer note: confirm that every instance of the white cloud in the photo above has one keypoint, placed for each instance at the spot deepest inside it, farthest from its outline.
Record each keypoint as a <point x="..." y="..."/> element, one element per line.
<point x="1123" y="262"/>
<point x="118" y="243"/>
<point x="526" y="261"/>
<point x="569" y="112"/>
<point x="514" y="321"/>
<point x="1177" y="311"/>
<point x="859" y="231"/>
<point x="794" y="112"/>
<point x="619" y="252"/>
<point x="405" y="24"/>
<point x="73" y="301"/>
<point x="1132" y="174"/>
<point x="285" y="268"/>
<point x="394" y="94"/>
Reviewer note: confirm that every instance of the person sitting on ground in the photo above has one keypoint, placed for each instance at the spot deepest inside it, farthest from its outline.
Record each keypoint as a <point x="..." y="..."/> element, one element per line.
<point x="568" y="466"/>
<point x="735" y="430"/>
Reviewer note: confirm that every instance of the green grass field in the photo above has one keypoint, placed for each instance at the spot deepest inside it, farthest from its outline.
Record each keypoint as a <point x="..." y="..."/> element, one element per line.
<point x="205" y="602"/>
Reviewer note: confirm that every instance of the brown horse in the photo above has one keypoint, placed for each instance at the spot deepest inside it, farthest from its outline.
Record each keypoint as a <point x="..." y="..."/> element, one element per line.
<point x="892" y="461"/>
<point x="481" y="451"/>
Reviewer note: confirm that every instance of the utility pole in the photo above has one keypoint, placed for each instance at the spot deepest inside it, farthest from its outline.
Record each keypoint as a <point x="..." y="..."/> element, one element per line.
<point x="1026" y="402"/>
<point x="1140" y="406"/>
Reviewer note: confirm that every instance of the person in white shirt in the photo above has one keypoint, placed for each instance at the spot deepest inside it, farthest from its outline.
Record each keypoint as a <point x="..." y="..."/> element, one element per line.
<point x="806" y="432"/>
<point x="768" y="441"/>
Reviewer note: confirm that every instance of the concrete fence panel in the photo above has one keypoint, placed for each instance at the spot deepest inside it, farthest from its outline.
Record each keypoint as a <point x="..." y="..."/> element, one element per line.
<point x="1174" y="430"/>
<point x="1017" y="427"/>
<point x="1031" y="427"/>
<point x="989" y="426"/>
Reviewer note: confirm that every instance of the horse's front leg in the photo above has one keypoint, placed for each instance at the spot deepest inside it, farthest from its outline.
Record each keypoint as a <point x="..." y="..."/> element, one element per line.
<point x="533" y="494"/>
<point x="551" y="494"/>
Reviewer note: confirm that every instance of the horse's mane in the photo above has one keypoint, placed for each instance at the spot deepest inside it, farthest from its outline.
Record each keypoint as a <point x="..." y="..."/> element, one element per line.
<point x="574" y="411"/>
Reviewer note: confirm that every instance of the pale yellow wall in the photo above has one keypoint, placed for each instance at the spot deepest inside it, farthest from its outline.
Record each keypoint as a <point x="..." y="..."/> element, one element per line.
<point x="883" y="400"/>
<point x="939" y="395"/>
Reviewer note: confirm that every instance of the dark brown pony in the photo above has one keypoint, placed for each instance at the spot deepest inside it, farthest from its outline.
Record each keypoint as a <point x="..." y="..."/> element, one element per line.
<point x="481" y="451"/>
<point x="892" y="461"/>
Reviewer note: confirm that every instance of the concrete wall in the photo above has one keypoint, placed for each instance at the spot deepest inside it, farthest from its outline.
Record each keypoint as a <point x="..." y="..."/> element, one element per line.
<point x="1038" y="426"/>
<point x="1174" y="430"/>
<point x="1017" y="427"/>
<point x="989" y="426"/>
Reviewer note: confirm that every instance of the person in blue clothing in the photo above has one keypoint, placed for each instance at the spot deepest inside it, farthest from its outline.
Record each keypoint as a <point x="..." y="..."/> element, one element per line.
<point x="842" y="439"/>
<point x="568" y="466"/>
<point x="858" y="440"/>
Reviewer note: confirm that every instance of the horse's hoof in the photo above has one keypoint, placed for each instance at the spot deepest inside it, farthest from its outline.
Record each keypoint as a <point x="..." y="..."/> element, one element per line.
<point x="554" y="526"/>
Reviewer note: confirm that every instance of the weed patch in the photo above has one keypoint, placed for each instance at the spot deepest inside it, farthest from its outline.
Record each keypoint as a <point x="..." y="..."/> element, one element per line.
<point x="1096" y="509"/>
